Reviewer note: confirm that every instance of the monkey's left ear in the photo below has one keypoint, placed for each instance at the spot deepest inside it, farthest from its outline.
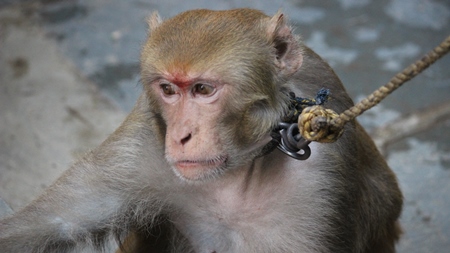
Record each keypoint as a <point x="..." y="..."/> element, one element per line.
<point x="154" y="21"/>
<point x="289" y="56"/>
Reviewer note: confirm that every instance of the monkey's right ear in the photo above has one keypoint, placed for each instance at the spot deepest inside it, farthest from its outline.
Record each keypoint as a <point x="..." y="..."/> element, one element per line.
<point x="288" y="53"/>
<point x="154" y="21"/>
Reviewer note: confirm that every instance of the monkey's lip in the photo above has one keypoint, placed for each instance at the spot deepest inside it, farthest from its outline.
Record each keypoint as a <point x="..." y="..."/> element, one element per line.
<point x="218" y="161"/>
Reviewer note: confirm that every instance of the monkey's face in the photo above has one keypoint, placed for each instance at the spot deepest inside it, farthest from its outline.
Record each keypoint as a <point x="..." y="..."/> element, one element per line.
<point x="213" y="78"/>
<point x="191" y="107"/>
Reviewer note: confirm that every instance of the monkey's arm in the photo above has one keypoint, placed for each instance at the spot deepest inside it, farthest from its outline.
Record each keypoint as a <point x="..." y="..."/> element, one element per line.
<point x="91" y="200"/>
<point x="71" y="211"/>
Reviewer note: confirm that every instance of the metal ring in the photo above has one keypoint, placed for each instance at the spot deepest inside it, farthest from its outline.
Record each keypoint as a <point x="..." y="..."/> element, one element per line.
<point x="291" y="142"/>
<point x="306" y="153"/>
<point x="287" y="141"/>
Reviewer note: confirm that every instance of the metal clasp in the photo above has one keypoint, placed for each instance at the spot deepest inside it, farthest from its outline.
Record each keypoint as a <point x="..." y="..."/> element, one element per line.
<point x="291" y="142"/>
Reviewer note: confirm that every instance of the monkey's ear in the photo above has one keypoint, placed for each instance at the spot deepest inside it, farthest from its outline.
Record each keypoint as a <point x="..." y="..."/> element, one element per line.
<point x="289" y="56"/>
<point x="154" y="21"/>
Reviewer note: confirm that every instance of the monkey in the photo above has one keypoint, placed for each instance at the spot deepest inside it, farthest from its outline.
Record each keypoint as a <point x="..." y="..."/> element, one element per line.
<point x="192" y="168"/>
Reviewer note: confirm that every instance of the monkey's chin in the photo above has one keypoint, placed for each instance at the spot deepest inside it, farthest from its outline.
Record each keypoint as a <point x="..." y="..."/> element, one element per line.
<point x="200" y="170"/>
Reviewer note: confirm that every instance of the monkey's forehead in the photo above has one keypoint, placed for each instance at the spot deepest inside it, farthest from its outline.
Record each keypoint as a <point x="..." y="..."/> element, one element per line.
<point x="207" y="29"/>
<point x="194" y="37"/>
<point x="195" y="19"/>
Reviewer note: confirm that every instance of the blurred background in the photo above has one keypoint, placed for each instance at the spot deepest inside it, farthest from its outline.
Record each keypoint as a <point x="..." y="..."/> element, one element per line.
<point x="69" y="73"/>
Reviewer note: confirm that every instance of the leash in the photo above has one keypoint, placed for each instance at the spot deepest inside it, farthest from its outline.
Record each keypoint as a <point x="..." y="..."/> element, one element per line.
<point x="308" y="120"/>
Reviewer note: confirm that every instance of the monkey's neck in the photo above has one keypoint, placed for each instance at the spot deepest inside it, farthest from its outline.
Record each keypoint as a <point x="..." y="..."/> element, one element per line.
<point x="268" y="148"/>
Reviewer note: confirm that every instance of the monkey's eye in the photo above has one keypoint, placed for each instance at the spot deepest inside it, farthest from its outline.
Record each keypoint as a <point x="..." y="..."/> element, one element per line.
<point x="167" y="89"/>
<point x="203" y="89"/>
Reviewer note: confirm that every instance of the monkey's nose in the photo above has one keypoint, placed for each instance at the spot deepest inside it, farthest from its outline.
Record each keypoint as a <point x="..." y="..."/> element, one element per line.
<point x="185" y="139"/>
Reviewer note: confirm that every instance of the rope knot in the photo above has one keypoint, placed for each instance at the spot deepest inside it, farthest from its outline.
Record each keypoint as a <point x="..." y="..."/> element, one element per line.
<point x="315" y="124"/>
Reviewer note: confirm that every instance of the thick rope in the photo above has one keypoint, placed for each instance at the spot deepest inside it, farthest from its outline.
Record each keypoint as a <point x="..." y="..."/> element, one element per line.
<point x="324" y="125"/>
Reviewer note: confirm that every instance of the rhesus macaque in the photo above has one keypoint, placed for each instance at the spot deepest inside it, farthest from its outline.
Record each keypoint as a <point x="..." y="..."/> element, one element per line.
<point x="189" y="169"/>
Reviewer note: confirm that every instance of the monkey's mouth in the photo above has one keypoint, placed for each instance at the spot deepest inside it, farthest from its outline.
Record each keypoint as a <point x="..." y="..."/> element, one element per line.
<point x="199" y="169"/>
<point x="218" y="161"/>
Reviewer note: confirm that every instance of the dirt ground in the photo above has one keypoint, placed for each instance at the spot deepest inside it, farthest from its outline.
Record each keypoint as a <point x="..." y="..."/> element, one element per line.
<point x="50" y="114"/>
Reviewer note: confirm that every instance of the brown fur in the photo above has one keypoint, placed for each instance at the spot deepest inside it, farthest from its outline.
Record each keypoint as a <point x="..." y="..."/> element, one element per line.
<point x="149" y="186"/>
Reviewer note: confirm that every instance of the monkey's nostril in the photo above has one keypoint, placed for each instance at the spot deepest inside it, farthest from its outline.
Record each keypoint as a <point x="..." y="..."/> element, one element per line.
<point x="186" y="139"/>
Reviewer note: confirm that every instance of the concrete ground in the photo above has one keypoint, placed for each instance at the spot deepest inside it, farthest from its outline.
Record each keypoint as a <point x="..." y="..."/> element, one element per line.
<point x="69" y="74"/>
